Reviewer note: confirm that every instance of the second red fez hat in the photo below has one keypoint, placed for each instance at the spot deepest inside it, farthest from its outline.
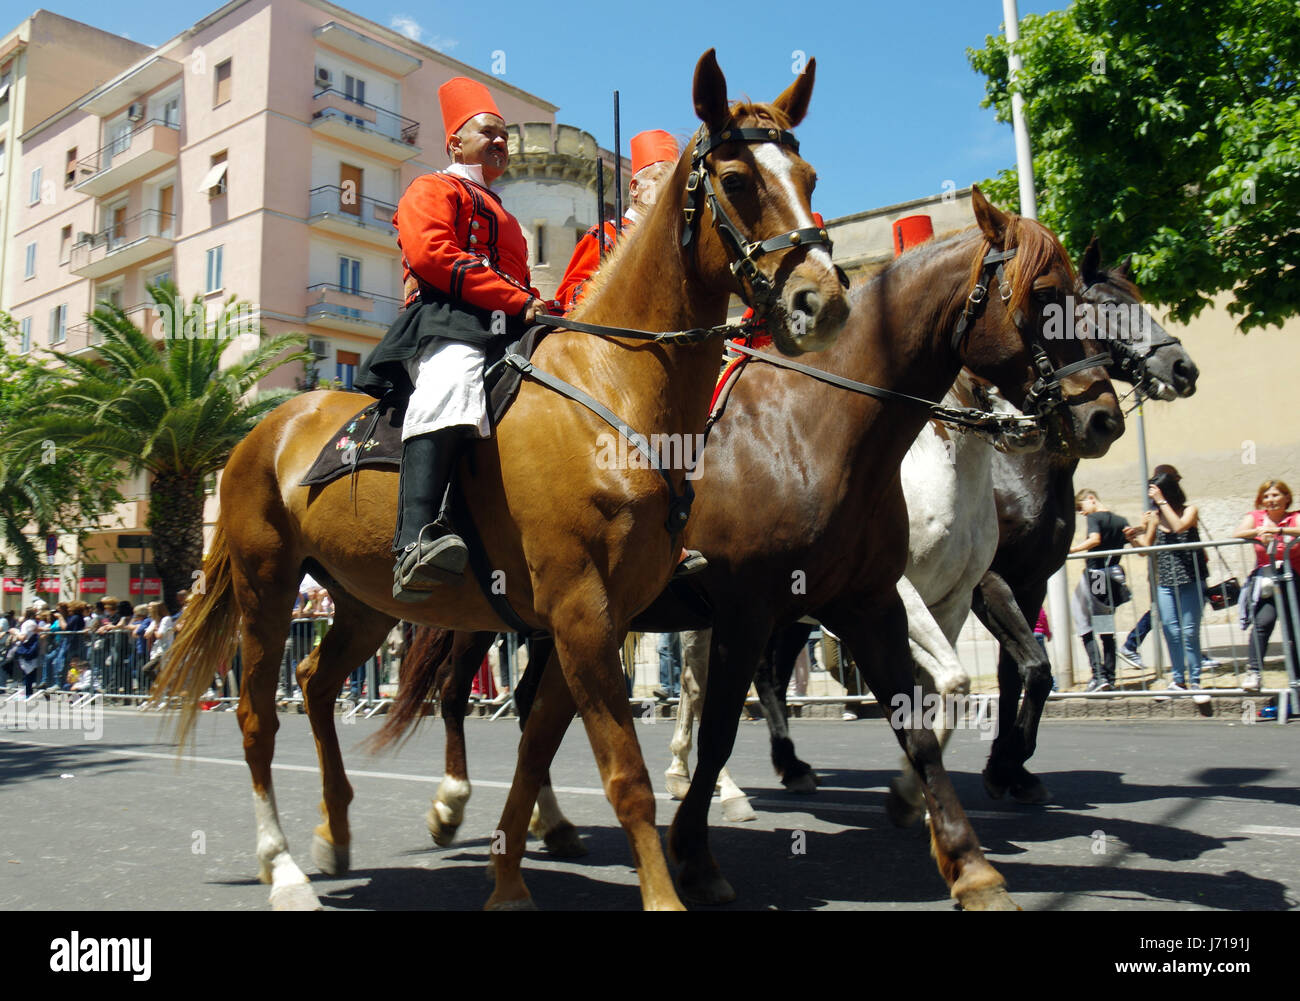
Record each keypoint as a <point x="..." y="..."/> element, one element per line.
<point x="461" y="99"/>
<point x="651" y="147"/>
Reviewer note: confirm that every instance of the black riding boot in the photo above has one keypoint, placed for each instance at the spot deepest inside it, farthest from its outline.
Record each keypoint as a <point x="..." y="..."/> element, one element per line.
<point x="428" y="552"/>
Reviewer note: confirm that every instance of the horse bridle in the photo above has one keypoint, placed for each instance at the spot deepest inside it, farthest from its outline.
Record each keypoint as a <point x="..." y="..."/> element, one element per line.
<point x="1045" y="394"/>
<point x="744" y="254"/>
<point x="1131" y="363"/>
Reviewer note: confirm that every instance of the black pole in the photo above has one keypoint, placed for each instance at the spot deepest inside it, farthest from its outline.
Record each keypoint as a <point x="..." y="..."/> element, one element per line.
<point x="600" y="203"/>
<point x="618" y="172"/>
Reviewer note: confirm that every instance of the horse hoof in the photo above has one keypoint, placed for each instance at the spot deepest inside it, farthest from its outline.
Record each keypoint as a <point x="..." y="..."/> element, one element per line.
<point x="995" y="789"/>
<point x="804" y="784"/>
<point x="678" y="785"/>
<point x="442" y="834"/>
<point x="522" y="904"/>
<point x="564" y="841"/>
<point x="988" y="898"/>
<point x="294" y="897"/>
<point x="901" y="811"/>
<point x="1031" y="791"/>
<point x="707" y="890"/>
<point x="329" y="859"/>
<point x="737" y="810"/>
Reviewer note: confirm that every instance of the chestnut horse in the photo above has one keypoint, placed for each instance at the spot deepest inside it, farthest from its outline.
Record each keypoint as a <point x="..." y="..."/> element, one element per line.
<point x="832" y="540"/>
<point x="955" y="539"/>
<point x="579" y="547"/>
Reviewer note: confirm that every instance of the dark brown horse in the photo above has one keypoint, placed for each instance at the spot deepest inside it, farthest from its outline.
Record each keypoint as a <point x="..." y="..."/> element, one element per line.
<point x="580" y="548"/>
<point x="799" y="508"/>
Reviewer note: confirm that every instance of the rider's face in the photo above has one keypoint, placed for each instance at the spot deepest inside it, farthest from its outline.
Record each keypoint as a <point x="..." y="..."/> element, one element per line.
<point x="482" y="140"/>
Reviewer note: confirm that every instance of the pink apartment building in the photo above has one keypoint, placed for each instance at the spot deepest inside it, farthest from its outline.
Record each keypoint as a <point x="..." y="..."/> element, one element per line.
<point x="260" y="153"/>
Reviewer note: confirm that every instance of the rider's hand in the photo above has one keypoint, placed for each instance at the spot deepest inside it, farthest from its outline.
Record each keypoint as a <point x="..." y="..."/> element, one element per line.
<point x="535" y="308"/>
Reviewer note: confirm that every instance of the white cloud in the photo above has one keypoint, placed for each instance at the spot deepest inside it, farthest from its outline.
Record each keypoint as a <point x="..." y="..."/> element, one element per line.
<point x="410" y="27"/>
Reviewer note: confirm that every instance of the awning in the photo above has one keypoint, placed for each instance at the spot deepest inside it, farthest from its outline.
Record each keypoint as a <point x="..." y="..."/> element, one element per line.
<point x="213" y="177"/>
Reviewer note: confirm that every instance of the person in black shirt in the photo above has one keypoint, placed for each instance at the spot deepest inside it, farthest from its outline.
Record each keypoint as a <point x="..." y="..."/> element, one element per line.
<point x="1101" y="588"/>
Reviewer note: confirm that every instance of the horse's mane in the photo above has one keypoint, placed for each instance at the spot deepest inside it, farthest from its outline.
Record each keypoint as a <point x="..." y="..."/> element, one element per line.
<point x="675" y="182"/>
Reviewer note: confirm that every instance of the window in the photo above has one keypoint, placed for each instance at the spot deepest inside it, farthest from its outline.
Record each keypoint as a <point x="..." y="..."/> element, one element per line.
<point x="58" y="325"/>
<point x="65" y="245"/>
<point x="350" y="281"/>
<point x="2" y="156"/>
<point x="215" y="182"/>
<point x="222" y="94"/>
<point x="214" y="269"/>
<point x="346" y="368"/>
<point x="354" y="90"/>
<point x="159" y="278"/>
<point x="539" y="243"/>
<point x="34" y="192"/>
<point x="29" y="270"/>
<point x="25" y="335"/>
<point x="171" y="112"/>
<point x="5" y="77"/>
<point x="70" y="169"/>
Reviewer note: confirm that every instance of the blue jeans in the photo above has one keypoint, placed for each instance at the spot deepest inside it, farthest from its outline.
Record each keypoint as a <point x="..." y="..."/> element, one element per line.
<point x="1180" y="618"/>
<point x="670" y="663"/>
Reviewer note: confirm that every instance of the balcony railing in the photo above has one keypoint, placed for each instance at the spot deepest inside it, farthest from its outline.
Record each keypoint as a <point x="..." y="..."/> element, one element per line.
<point x="332" y="305"/>
<point x="137" y="238"/>
<point x="85" y="335"/>
<point x="334" y="104"/>
<point x="338" y="204"/>
<point x="135" y="153"/>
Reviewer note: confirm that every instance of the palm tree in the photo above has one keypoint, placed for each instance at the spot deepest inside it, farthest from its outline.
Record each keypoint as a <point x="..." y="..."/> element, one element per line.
<point x="162" y="403"/>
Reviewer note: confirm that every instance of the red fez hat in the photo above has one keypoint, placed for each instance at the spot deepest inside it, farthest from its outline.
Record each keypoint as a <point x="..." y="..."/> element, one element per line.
<point x="461" y="99"/>
<point x="652" y="147"/>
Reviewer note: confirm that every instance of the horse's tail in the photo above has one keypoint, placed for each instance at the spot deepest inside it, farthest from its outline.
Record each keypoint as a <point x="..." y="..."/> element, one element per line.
<point x="428" y="652"/>
<point x="207" y="638"/>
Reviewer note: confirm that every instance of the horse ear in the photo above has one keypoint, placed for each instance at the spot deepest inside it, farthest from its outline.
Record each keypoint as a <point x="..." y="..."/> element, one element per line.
<point x="710" y="91"/>
<point x="1090" y="266"/>
<point x="794" y="100"/>
<point x="992" y="221"/>
<point x="1125" y="269"/>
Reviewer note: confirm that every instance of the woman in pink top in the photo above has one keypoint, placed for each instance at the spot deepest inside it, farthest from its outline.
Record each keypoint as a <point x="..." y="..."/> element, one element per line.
<point x="1269" y="525"/>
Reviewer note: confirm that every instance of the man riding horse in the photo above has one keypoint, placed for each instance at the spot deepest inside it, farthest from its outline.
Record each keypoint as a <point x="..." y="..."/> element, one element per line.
<point x="465" y="264"/>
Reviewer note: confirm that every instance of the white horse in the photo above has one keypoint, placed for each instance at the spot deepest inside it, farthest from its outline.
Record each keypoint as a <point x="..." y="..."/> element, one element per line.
<point x="948" y="482"/>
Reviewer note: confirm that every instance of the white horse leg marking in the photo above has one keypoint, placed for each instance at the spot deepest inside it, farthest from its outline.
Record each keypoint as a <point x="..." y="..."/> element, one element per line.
<point x="735" y="804"/>
<point x="448" y="810"/>
<point x="290" y="888"/>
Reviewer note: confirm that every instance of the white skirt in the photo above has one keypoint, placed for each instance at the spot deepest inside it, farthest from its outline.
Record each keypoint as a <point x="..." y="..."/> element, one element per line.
<point x="448" y="391"/>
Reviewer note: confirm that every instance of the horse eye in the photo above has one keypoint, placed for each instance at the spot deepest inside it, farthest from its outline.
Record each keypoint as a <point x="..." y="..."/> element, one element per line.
<point x="733" y="183"/>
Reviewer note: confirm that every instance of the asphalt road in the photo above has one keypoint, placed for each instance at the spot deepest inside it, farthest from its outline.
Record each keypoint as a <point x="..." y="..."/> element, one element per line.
<point x="1186" y="815"/>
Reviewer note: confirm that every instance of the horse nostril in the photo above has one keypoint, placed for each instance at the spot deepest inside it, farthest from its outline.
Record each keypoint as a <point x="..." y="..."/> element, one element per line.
<point x="809" y="303"/>
<point x="1185" y="374"/>
<point x="1104" y="426"/>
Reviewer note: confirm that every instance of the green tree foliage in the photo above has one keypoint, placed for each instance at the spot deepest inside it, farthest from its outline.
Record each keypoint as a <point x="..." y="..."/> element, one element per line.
<point x="1171" y="130"/>
<point x="46" y="489"/>
<point x="161" y="401"/>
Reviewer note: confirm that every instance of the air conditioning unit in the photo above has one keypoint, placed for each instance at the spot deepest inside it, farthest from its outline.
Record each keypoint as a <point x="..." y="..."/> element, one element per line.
<point x="85" y="237"/>
<point x="135" y="112"/>
<point x="324" y="78"/>
<point x="319" y="346"/>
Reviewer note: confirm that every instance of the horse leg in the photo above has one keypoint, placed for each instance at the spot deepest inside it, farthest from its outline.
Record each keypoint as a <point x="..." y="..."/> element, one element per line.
<point x="695" y="677"/>
<point x="266" y="606"/>
<point x="1021" y="662"/>
<point x="447" y="810"/>
<point x="356" y="634"/>
<point x="772" y="678"/>
<point x="879" y="645"/>
<point x="548" y="821"/>
<point x="588" y="647"/>
<point x="939" y="673"/>
<point x="735" y="648"/>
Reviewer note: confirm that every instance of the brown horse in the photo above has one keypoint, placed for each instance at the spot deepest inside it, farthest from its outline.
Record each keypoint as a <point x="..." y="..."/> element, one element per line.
<point x="831" y="541"/>
<point x="579" y="548"/>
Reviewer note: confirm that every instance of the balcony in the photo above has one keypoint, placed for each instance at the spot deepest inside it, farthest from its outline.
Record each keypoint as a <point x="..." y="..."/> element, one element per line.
<point x="128" y="158"/>
<point x="123" y="244"/>
<point x="330" y="305"/>
<point x="375" y="129"/>
<point x="84" y="336"/>
<point x="333" y="210"/>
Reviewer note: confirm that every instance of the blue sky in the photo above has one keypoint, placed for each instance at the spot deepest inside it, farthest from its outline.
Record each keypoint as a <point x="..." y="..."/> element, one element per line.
<point x="895" y="114"/>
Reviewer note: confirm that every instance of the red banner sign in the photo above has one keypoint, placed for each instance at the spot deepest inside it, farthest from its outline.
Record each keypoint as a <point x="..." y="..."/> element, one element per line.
<point x="152" y="585"/>
<point x="48" y="585"/>
<point x="94" y="585"/>
<point x="13" y="585"/>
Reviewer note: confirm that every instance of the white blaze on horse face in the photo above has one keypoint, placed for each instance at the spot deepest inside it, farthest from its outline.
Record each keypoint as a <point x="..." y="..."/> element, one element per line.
<point x="780" y="168"/>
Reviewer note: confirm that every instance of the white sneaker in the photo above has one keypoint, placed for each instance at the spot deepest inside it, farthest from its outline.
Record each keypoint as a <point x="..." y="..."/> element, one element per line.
<point x="1200" y="698"/>
<point x="849" y="715"/>
<point x="1174" y="686"/>
<point x="1252" y="682"/>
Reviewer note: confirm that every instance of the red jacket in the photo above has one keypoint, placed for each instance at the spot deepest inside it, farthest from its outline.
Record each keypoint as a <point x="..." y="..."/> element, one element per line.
<point x="458" y="238"/>
<point x="584" y="263"/>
